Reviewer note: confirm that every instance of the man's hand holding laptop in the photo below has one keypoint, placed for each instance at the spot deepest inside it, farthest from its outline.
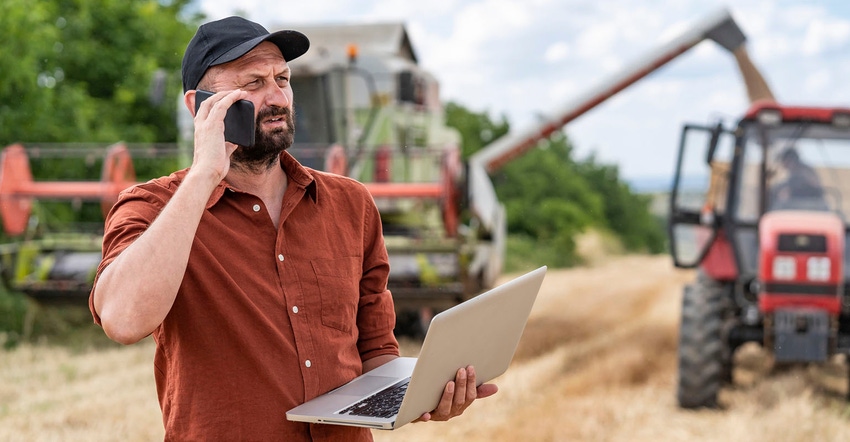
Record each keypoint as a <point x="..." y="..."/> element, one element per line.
<point x="458" y="395"/>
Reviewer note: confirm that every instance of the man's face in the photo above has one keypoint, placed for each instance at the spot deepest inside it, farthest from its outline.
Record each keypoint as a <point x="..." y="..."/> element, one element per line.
<point x="269" y="142"/>
<point x="264" y="74"/>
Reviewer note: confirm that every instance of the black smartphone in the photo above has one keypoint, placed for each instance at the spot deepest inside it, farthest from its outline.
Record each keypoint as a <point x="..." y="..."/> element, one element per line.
<point x="239" y="123"/>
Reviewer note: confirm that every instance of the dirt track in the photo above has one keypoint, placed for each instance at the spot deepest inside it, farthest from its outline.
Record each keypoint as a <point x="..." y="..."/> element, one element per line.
<point x="597" y="362"/>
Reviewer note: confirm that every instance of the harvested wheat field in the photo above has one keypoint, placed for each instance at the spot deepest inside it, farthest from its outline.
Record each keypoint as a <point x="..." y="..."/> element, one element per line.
<point x="597" y="362"/>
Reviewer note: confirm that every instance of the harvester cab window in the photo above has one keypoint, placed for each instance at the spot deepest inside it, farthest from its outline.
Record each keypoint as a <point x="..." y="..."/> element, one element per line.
<point x="313" y="107"/>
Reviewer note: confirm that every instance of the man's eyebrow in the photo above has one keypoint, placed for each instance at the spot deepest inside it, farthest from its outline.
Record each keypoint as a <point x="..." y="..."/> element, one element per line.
<point x="249" y="75"/>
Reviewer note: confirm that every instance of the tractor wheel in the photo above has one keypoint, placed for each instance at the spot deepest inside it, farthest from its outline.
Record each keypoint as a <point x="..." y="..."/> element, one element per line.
<point x="704" y="362"/>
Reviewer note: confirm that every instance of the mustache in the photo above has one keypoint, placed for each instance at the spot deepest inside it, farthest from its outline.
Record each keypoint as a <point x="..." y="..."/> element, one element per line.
<point x="272" y="111"/>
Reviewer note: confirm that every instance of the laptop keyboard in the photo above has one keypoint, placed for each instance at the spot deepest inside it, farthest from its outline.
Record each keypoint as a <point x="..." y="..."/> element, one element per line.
<point x="384" y="403"/>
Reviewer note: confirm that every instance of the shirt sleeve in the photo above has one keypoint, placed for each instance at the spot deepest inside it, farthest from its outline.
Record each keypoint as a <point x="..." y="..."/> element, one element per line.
<point x="131" y="215"/>
<point x="376" y="313"/>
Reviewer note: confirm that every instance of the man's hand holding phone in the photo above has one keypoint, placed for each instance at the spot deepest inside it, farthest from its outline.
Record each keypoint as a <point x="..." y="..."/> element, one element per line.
<point x="222" y="121"/>
<point x="239" y="121"/>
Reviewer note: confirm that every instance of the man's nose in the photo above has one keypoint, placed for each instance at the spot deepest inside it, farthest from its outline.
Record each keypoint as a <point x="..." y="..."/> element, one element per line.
<point x="276" y="96"/>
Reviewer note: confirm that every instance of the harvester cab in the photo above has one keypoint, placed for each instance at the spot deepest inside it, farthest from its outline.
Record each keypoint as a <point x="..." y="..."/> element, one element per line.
<point x="761" y="210"/>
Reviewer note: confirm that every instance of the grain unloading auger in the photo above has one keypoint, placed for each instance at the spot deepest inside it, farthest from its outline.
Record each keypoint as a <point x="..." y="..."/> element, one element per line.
<point x="719" y="27"/>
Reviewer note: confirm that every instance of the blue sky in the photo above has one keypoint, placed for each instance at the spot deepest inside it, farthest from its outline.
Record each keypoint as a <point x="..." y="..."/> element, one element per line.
<point x="525" y="58"/>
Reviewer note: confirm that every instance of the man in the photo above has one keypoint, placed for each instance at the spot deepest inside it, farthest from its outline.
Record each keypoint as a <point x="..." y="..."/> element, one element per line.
<point x="263" y="283"/>
<point x="801" y="187"/>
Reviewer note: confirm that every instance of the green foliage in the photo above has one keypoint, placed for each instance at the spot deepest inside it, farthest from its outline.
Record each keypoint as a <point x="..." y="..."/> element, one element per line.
<point x="85" y="71"/>
<point x="69" y="325"/>
<point x="525" y="253"/>
<point x="476" y="130"/>
<point x="627" y="214"/>
<point x="13" y="308"/>
<point x="550" y="197"/>
<point x="90" y="70"/>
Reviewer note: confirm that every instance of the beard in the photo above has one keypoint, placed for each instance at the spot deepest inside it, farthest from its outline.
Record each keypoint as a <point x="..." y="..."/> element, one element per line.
<point x="267" y="145"/>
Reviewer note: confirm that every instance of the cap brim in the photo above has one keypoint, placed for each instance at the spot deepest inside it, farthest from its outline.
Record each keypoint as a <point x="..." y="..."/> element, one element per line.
<point x="292" y="44"/>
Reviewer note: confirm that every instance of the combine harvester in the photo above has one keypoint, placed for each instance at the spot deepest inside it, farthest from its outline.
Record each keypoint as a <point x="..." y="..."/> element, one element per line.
<point x="367" y="110"/>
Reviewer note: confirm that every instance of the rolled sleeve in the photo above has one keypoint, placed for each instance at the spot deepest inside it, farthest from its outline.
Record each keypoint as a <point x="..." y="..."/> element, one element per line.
<point x="376" y="312"/>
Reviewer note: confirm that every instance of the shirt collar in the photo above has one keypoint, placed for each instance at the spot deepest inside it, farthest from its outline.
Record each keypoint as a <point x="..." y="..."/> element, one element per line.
<point x="295" y="172"/>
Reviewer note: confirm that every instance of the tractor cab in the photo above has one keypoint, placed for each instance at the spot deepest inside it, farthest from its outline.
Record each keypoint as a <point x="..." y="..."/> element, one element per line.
<point x="762" y="211"/>
<point x="777" y="160"/>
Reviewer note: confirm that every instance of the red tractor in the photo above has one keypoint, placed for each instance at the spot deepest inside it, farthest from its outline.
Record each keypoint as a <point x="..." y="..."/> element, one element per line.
<point x="768" y="239"/>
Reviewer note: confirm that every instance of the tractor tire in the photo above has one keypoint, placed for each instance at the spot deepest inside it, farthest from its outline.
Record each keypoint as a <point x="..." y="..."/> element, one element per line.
<point x="704" y="362"/>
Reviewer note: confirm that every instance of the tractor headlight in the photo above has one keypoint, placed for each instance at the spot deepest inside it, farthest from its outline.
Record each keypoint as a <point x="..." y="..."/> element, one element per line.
<point x="784" y="267"/>
<point x="818" y="268"/>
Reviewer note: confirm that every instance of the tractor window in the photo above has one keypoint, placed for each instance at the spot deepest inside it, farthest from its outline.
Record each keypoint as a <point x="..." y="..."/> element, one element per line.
<point x="748" y="207"/>
<point x="693" y="185"/>
<point x="748" y="187"/>
<point x="809" y="169"/>
<point x="699" y="192"/>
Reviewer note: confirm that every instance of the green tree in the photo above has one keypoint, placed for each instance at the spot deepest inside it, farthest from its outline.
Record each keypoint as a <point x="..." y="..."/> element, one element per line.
<point x="627" y="214"/>
<point x="91" y="70"/>
<point x="476" y="129"/>
<point x="546" y="199"/>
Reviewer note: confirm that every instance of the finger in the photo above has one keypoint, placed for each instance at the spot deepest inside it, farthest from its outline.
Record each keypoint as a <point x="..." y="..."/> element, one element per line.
<point x="424" y="418"/>
<point x="459" y="399"/>
<point x="218" y="108"/>
<point x="203" y="108"/>
<point x="444" y="408"/>
<point x="471" y="391"/>
<point x="219" y="100"/>
<point x="486" y="390"/>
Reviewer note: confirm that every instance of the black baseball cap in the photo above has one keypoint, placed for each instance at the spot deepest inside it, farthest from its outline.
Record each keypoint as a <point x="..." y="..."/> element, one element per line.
<point x="220" y="41"/>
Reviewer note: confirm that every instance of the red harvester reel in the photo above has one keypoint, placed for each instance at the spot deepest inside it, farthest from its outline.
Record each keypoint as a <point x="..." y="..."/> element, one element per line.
<point x="17" y="188"/>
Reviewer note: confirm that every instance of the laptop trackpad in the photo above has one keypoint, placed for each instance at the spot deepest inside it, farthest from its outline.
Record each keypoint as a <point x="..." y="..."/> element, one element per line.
<point x="365" y="385"/>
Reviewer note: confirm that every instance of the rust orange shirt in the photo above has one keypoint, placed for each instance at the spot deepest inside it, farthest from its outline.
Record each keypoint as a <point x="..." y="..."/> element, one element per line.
<point x="266" y="317"/>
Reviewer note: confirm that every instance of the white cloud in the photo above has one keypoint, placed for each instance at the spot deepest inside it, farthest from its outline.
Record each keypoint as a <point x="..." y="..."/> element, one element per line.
<point x="557" y="52"/>
<point x="597" y="41"/>
<point x="825" y="34"/>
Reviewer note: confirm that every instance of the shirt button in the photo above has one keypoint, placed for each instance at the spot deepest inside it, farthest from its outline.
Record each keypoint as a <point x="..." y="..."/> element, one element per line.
<point x="308" y="363"/>
<point x="280" y="257"/>
<point x="256" y="207"/>
<point x="295" y="309"/>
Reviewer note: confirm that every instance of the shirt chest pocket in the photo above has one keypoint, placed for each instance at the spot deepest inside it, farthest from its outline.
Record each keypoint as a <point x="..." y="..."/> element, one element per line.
<point x="339" y="289"/>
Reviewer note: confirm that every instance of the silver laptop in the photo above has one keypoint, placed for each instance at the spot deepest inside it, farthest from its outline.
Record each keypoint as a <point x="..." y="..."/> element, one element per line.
<point x="483" y="332"/>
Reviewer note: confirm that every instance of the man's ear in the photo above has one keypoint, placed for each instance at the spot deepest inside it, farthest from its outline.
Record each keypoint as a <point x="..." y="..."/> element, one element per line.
<point x="189" y="101"/>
